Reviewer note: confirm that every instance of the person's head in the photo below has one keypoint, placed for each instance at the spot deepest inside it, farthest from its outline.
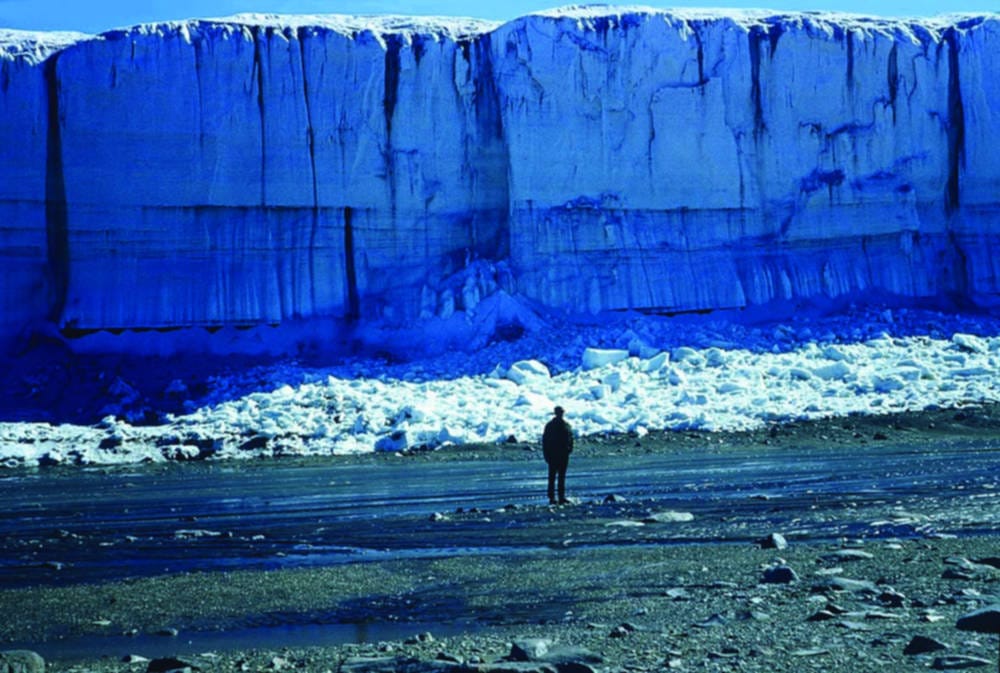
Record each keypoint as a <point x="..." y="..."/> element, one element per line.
<point x="559" y="411"/>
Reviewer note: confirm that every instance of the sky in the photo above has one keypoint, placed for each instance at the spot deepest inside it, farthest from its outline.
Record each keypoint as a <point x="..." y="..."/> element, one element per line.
<point x="99" y="15"/>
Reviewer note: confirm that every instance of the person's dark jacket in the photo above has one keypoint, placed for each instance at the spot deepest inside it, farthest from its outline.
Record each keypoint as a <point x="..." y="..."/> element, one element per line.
<point x="557" y="441"/>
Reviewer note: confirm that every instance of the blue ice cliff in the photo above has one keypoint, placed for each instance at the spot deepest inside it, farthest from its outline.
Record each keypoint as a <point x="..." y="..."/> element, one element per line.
<point x="269" y="170"/>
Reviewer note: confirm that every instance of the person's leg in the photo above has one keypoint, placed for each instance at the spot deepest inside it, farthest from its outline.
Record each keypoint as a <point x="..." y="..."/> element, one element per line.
<point x="562" y="481"/>
<point x="553" y="470"/>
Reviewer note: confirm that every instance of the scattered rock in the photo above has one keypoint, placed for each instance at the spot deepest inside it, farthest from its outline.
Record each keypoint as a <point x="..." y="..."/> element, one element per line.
<point x="173" y="665"/>
<point x="379" y="664"/>
<point x="958" y="574"/>
<point x="134" y="659"/>
<point x="853" y="626"/>
<point x="501" y="667"/>
<point x="956" y="661"/>
<point x="712" y="622"/>
<point x="529" y="649"/>
<point x="773" y="541"/>
<point x="168" y="633"/>
<point x="822" y="616"/>
<point x="677" y="594"/>
<point x="425" y="637"/>
<point x="844" y="584"/>
<point x="923" y="645"/>
<point x="21" y="661"/>
<point x="847" y="555"/>
<point x="985" y="620"/>
<point x="878" y="614"/>
<point x="780" y="574"/>
<point x="891" y="598"/>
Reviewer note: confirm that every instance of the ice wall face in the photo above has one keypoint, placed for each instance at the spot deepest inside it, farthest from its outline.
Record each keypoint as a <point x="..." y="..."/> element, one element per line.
<point x="712" y="163"/>
<point x="259" y="170"/>
<point x="225" y="173"/>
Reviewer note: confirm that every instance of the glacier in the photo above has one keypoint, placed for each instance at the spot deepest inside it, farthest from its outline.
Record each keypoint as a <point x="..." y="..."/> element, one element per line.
<point x="281" y="174"/>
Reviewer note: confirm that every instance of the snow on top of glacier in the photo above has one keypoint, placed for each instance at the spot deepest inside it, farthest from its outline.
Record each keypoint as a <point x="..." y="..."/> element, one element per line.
<point x="35" y="46"/>
<point x="450" y="26"/>
<point x="817" y="22"/>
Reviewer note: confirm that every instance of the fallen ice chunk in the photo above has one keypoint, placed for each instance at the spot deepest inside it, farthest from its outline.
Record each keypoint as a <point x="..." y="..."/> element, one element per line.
<point x="836" y="371"/>
<point x="396" y="441"/>
<point x="657" y="362"/>
<point x="971" y="343"/>
<point x="522" y="371"/>
<point x="599" y="357"/>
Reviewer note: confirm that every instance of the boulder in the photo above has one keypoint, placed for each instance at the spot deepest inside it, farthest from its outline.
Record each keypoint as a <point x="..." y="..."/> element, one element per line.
<point x="21" y="661"/>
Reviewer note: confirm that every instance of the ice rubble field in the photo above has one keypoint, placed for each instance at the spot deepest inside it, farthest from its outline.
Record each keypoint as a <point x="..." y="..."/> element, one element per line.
<point x="631" y="374"/>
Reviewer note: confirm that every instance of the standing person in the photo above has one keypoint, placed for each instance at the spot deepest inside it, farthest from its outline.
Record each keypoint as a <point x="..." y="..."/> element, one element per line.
<point x="557" y="444"/>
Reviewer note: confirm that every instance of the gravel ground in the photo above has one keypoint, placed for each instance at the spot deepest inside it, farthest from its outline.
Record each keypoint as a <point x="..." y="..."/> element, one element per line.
<point x="630" y="603"/>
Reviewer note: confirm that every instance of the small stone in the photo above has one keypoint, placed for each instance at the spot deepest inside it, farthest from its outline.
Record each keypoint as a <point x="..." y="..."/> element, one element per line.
<point x="134" y="659"/>
<point x="529" y="649"/>
<point x="712" y="622"/>
<point x="985" y="620"/>
<point x="21" y="661"/>
<point x="822" y="616"/>
<point x="773" y="541"/>
<point x="923" y="645"/>
<point x="957" y="661"/>
<point x="168" y="633"/>
<point x="878" y="614"/>
<point x="853" y="626"/>
<point x="622" y="630"/>
<point x="420" y="638"/>
<point x="677" y="594"/>
<point x="780" y="574"/>
<point x="172" y="665"/>
<point x="844" y="584"/>
<point x="848" y="555"/>
<point x="614" y="499"/>
<point x="891" y="598"/>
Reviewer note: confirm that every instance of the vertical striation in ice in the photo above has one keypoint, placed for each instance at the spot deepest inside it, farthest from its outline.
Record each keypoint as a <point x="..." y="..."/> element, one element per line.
<point x="264" y="170"/>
